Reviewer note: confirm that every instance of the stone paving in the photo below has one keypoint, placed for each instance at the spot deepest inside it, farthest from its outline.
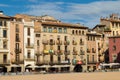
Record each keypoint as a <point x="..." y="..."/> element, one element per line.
<point x="66" y="76"/>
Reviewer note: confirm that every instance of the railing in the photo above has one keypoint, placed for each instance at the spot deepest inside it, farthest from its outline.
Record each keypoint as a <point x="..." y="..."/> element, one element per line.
<point x="75" y="52"/>
<point x="18" y="50"/>
<point x="18" y="62"/>
<point x="30" y="59"/>
<point x="51" y="42"/>
<point x="67" y="52"/>
<point x="59" y="52"/>
<point x="17" y="29"/>
<point x="17" y="39"/>
<point x="88" y="50"/>
<point x="7" y="62"/>
<point x="45" y="42"/>
<point x="81" y="43"/>
<point x="74" y="43"/>
<point x="93" y="51"/>
<point x="29" y="45"/>
<point x="58" y="42"/>
<point x="82" y="52"/>
<point x="66" y="42"/>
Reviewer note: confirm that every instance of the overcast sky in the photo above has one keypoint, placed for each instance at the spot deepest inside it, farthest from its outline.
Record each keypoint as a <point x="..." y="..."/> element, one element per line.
<point x="85" y="12"/>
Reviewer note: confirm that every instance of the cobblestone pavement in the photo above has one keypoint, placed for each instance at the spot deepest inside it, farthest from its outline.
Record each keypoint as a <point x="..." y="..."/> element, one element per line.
<point x="66" y="76"/>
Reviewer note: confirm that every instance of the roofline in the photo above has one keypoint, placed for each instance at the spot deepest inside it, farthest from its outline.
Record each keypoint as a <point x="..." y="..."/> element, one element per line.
<point x="64" y="24"/>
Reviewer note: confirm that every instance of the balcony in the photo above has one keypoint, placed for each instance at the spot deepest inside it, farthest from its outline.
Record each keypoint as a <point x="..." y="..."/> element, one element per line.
<point x="75" y="52"/>
<point x="45" y="52"/>
<point x="18" y="62"/>
<point x="51" y="42"/>
<point x="99" y="48"/>
<point x="29" y="45"/>
<point x="45" y="42"/>
<point x="66" y="42"/>
<point x="67" y="52"/>
<point x="74" y="43"/>
<point x="82" y="52"/>
<point x="81" y="43"/>
<point x="29" y="59"/>
<point x="5" y="62"/>
<point x="18" y="50"/>
<point x="93" y="51"/>
<point x="59" y="52"/>
<point x="40" y="63"/>
<point x="58" y="42"/>
<point x="17" y="39"/>
<point x="88" y="50"/>
<point x="37" y="53"/>
<point x="4" y="27"/>
<point x="17" y="30"/>
<point x="92" y="62"/>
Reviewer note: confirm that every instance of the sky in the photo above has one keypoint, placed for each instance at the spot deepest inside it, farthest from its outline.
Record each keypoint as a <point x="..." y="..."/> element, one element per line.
<point x="85" y="12"/>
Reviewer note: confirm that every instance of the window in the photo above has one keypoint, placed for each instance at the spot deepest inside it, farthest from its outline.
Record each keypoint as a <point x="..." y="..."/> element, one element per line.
<point x="66" y="58"/>
<point x="29" y="54"/>
<point x="51" y="58"/>
<point x="65" y="48"/>
<point x="88" y="38"/>
<point x="92" y="58"/>
<point x="4" y="33"/>
<point x="60" y="30"/>
<point x="38" y="43"/>
<point x="5" y="24"/>
<point x="5" y="58"/>
<point x="114" y="40"/>
<point x="88" y="58"/>
<point x="113" y="33"/>
<point x="113" y="24"/>
<point x="5" y="44"/>
<point x="58" y="47"/>
<point x="92" y="50"/>
<point x="28" y="41"/>
<point x="0" y="23"/>
<point x="117" y="33"/>
<point x="93" y="38"/>
<point x="82" y="32"/>
<point x="76" y="32"/>
<point x="44" y="29"/>
<point x="65" y="30"/>
<point x="17" y="37"/>
<point x="74" y="49"/>
<point x="65" y="38"/>
<point x="114" y="48"/>
<point x="28" y="31"/>
<point x="72" y="31"/>
<point x="17" y="46"/>
<point x="17" y="28"/>
<point x="50" y="29"/>
<point x="59" y="58"/>
<point x="37" y="35"/>
<point x="79" y="32"/>
<point x="114" y="57"/>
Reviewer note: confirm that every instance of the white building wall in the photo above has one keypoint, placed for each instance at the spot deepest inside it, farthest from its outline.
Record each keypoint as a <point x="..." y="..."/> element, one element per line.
<point x="31" y="26"/>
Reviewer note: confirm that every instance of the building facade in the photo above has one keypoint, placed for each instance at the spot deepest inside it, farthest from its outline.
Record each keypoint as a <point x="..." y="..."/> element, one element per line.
<point x="114" y="49"/>
<point x="4" y="40"/>
<point x="16" y="45"/>
<point x="93" y="50"/>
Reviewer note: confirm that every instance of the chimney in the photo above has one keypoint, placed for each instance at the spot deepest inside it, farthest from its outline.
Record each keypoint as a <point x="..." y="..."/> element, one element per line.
<point x="1" y="12"/>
